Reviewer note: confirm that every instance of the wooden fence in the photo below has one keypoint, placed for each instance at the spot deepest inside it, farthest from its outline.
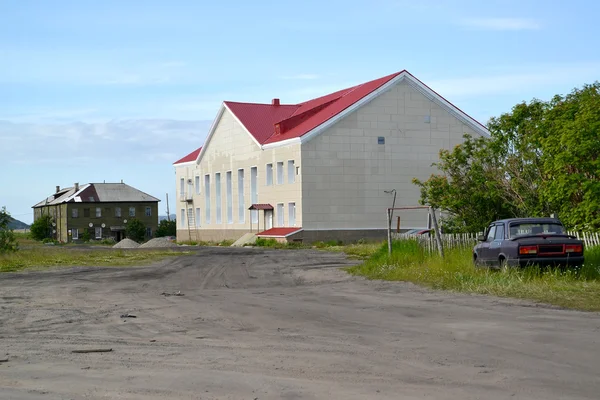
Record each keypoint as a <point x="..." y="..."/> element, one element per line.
<point x="469" y="240"/>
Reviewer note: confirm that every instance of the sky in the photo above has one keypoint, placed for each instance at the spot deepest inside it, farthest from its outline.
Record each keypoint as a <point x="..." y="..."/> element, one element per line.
<point x="94" y="91"/>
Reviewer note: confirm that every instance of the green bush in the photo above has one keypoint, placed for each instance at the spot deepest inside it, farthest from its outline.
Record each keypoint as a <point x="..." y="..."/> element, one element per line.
<point x="135" y="230"/>
<point x="166" y="228"/>
<point x="8" y="241"/>
<point x="42" y="227"/>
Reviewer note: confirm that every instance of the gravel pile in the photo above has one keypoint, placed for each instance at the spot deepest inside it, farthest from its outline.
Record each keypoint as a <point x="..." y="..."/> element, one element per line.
<point x="126" y="244"/>
<point x="158" y="242"/>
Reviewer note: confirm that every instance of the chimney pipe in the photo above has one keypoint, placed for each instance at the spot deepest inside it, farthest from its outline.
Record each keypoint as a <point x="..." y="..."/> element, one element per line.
<point x="275" y="102"/>
<point x="76" y="186"/>
<point x="57" y="189"/>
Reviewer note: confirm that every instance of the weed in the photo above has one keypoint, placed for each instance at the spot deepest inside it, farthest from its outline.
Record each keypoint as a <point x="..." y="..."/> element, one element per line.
<point x="45" y="257"/>
<point x="577" y="288"/>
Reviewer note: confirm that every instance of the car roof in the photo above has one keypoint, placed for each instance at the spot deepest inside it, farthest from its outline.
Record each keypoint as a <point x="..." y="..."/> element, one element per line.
<point x="530" y="220"/>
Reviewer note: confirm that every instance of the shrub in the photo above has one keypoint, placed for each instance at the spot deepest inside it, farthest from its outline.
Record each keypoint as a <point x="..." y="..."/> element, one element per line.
<point x="136" y="230"/>
<point x="42" y="227"/>
<point x="8" y="241"/>
<point x="166" y="228"/>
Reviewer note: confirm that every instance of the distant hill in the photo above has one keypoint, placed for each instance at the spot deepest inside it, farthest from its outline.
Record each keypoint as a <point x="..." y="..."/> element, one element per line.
<point x="161" y="217"/>
<point x="16" y="224"/>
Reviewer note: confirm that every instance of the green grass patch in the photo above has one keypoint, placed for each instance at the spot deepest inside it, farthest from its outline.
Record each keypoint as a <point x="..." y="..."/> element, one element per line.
<point x="577" y="288"/>
<point x="48" y="257"/>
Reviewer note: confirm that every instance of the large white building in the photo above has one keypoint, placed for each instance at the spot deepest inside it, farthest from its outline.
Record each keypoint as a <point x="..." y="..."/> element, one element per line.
<point x="318" y="170"/>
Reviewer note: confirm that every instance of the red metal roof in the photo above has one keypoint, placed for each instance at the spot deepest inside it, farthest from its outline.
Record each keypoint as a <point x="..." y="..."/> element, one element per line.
<point x="190" y="157"/>
<point x="260" y="119"/>
<point x="278" y="232"/>
<point x="271" y="123"/>
<point x="261" y="207"/>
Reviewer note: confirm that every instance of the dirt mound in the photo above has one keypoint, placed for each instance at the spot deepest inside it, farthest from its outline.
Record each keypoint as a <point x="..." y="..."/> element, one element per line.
<point x="158" y="242"/>
<point x="126" y="244"/>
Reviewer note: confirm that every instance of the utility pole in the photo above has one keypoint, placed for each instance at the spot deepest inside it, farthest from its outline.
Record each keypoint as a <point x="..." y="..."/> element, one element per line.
<point x="168" y="213"/>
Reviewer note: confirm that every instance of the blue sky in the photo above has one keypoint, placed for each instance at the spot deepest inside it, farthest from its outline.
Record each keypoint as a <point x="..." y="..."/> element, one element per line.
<point x="111" y="90"/>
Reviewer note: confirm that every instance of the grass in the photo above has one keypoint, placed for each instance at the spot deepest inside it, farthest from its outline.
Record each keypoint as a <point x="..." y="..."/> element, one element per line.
<point x="577" y="288"/>
<point x="48" y="257"/>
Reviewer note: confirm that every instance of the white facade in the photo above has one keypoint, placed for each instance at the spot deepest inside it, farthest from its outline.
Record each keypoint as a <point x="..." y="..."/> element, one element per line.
<point x="328" y="182"/>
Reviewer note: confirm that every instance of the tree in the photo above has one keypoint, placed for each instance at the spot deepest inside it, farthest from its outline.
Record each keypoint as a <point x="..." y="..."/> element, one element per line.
<point x="166" y="228"/>
<point x="570" y="159"/>
<point x="8" y="242"/>
<point x="42" y="227"/>
<point x="541" y="159"/>
<point x="469" y="190"/>
<point x="135" y="230"/>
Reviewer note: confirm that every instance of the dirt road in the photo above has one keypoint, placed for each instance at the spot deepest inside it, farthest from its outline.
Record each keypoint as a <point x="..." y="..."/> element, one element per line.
<point x="266" y="324"/>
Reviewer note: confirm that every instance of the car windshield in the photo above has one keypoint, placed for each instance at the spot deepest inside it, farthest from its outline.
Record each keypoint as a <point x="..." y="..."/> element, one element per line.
<point x="536" y="228"/>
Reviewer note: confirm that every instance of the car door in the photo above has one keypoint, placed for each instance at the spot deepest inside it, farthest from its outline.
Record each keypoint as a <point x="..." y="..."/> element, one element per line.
<point x="484" y="249"/>
<point x="496" y="244"/>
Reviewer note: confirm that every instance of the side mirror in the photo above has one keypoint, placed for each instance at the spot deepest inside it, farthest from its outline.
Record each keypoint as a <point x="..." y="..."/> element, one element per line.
<point x="481" y="238"/>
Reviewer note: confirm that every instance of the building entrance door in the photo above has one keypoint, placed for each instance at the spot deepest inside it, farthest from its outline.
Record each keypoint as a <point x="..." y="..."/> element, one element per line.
<point x="268" y="219"/>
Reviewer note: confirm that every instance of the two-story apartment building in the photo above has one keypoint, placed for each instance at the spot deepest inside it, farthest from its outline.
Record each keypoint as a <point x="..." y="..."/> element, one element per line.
<point x="100" y="209"/>
<point x="318" y="170"/>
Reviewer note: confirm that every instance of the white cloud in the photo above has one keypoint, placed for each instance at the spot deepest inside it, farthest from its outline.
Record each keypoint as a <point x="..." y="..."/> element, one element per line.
<point x="120" y="141"/>
<point x="501" y="24"/>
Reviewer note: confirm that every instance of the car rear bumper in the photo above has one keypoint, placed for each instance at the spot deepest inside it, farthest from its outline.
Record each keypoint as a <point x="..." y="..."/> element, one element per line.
<point x="547" y="261"/>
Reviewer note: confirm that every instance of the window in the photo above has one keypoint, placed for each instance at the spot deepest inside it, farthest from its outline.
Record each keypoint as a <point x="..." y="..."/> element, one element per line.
<point x="218" y="196"/>
<point x="98" y="212"/>
<point x="269" y="174"/>
<point x="197" y="184"/>
<point x="292" y="214"/>
<point x="182" y="218"/>
<point x="491" y="234"/>
<point x="229" y="198"/>
<point x="280" y="220"/>
<point x="132" y="211"/>
<point x="207" y="198"/>
<point x="198" y="217"/>
<point x="98" y="231"/>
<point x="182" y="188"/>
<point x="280" y="173"/>
<point x="381" y="140"/>
<point x="149" y="232"/>
<point x="241" y="210"/>
<point x="117" y="211"/>
<point x="254" y="192"/>
<point x="75" y="213"/>
<point x="291" y="172"/>
<point x="86" y="212"/>
<point x="148" y="211"/>
<point x="75" y="234"/>
<point x="499" y="232"/>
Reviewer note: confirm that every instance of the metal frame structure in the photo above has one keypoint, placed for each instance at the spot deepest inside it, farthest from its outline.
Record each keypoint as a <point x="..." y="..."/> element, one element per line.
<point x="432" y="217"/>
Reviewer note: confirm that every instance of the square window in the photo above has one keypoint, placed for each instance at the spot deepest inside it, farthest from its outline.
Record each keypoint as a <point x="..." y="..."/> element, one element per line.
<point x="98" y="212"/>
<point x="148" y="212"/>
<point x="86" y="212"/>
<point x="75" y="213"/>
<point x="117" y="211"/>
<point x="381" y="140"/>
<point x="132" y="211"/>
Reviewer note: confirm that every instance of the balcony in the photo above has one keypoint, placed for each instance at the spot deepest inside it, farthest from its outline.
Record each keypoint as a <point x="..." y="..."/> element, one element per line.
<point x="186" y="196"/>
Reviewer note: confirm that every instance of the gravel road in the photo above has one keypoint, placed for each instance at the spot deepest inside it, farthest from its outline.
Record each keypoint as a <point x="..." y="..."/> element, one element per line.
<point x="267" y="324"/>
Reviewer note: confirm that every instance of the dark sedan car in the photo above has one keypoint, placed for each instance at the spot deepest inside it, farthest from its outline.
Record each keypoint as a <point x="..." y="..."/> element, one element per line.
<point x="528" y="241"/>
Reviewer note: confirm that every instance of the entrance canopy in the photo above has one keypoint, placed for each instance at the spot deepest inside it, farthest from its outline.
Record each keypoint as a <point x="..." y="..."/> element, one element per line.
<point x="261" y="207"/>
